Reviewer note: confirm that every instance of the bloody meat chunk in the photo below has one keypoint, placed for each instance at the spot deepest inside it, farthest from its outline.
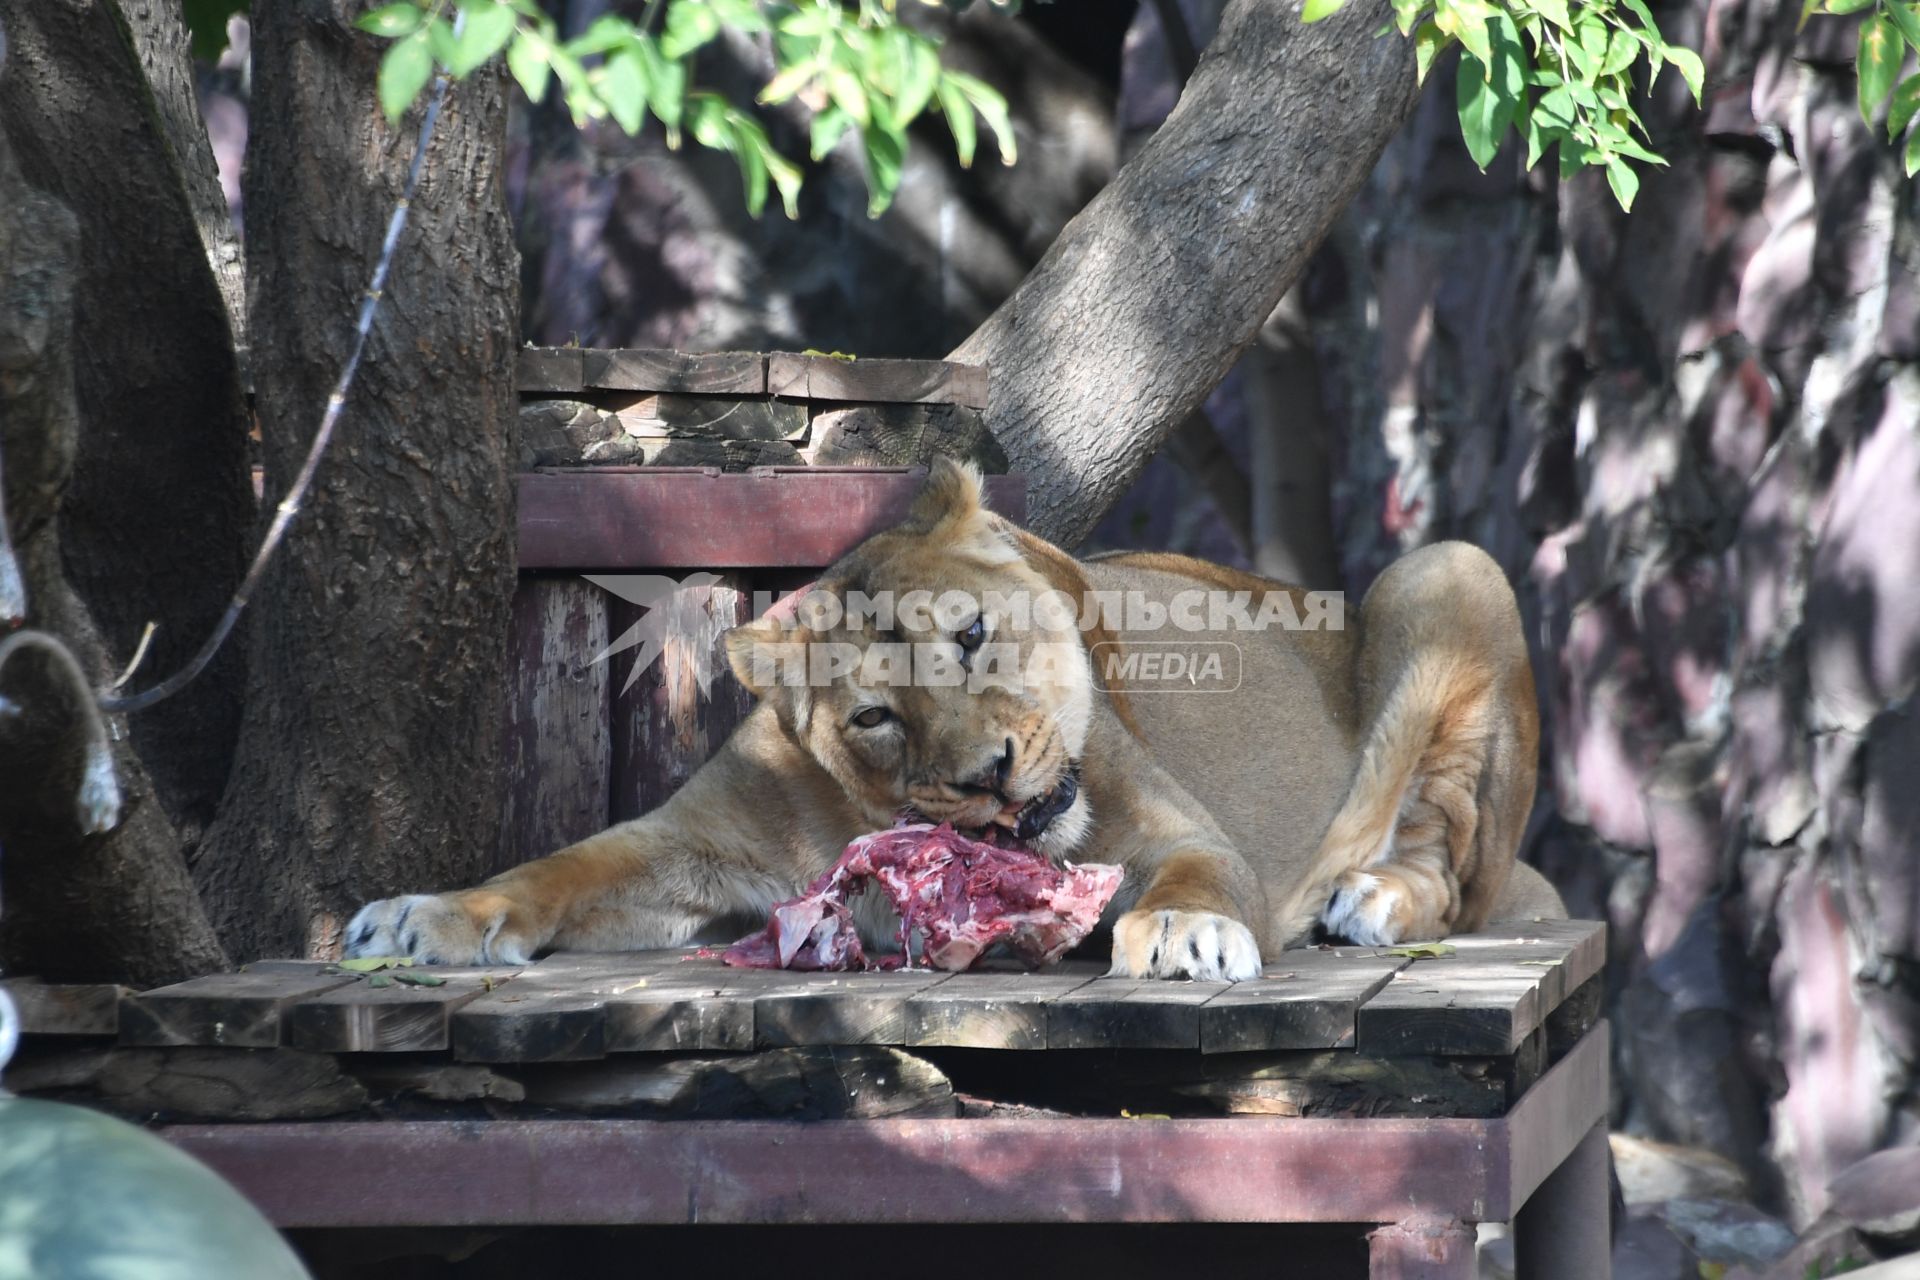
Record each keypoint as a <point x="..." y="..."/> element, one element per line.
<point x="956" y="898"/>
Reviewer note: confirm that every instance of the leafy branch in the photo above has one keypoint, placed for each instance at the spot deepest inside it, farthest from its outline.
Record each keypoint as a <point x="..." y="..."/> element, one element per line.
<point x="854" y="68"/>
<point x="1562" y="74"/>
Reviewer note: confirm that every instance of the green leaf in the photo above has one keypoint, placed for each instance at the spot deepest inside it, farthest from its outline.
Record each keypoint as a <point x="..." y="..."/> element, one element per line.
<point x="440" y="40"/>
<point x="1406" y="14"/>
<point x="707" y="120"/>
<point x="1903" y="108"/>
<point x="1467" y="21"/>
<point x="788" y="82"/>
<point x="786" y="180"/>
<point x="886" y="155"/>
<point x="830" y="125"/>
<point x="380" y="980"/>
<point x="418" y="979"/>
<point x="959" y="114"/>
<point x="1424" y="950"/>
<point x="1878" y="65"/>
<point x="573" y="84"/>
<point x="1807" y="10"/>
<point x="404" y="72"/>
<point x="527" y="59"/>
<point x="1906" y="17"/>
<point x="1314" y="10"/>
<point x="849" y="94"/>
<point x="815" y="19"/>
<point x="1645" y="15"/>
<point x="666" y="87"/>
<point x="1554" y="11"/>
<point x="1624" y="181"/>
<point x="918" y="79"/>
<point x="1912" y="157"/>
<point x="1428" y="41"/>
<point x="753" y="174"/>
<point x="488" y="29"/>
<point x="606" y="33"/>
<point x="1844" y="7"/>
<point x="690" y="24"/>
<point x="623" y="87"/>
<point x="992" y="108"/>
<point x="1622" y="49"/>
<point x="1488" y="96"/>
<point x="1688" y="64"/>
<point x="373" y="964"/>
<point x="391" y="20"/>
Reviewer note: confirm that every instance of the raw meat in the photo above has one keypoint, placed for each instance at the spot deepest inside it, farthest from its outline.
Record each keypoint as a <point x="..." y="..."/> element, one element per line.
<point x="956" y="898"/>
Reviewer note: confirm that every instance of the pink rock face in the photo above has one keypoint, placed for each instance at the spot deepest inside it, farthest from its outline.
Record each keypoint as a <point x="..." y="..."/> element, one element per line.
<point x="956" y="897"/>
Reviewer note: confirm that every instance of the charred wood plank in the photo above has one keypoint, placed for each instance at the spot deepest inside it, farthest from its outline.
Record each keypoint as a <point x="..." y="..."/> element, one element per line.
<point x="401" y="1017"/>
<point x="225" y="1010"/>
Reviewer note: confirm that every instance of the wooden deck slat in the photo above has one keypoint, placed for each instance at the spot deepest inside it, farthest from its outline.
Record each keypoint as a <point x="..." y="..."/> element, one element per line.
<point x="1307" y="999"/>
<point x="224" y="1010"/>
<point x="806" y="377"/>
<point x="1485" y="997"/>
<point x="842" y="1008"/>
<point x="711" y="373"/>
<point x="992" y="1010"/>
<point x="555" y="1011"/>
<point x="65" y="1009"/>
<point x="362" y="1018"/>
<point x="1130" y="1013"/>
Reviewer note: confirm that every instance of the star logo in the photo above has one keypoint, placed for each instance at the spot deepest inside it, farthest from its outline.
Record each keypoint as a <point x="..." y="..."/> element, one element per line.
<point x="677" y="617"/>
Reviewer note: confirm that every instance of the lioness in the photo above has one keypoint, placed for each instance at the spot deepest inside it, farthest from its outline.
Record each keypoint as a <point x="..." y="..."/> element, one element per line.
<point x="1372" y="777"/>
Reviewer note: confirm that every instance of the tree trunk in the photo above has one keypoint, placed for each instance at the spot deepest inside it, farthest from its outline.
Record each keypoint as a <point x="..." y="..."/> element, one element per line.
<point x="160" y="508"/>
<point x="117" y="905"/>
<point x="1692" y="435"/>
<point x="374" y="713"/>
<point x="1153" y="291"/>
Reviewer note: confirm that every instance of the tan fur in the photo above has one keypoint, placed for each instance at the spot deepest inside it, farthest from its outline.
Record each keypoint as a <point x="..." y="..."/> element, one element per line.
<point x="1376" y="777"/>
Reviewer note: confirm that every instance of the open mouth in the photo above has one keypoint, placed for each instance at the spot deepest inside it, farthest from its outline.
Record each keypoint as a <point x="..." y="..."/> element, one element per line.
<point x="1011" y="827"/>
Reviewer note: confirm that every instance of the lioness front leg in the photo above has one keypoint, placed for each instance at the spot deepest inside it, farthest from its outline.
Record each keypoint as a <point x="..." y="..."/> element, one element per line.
<point x="621" y="890"/>
<point x="1187" y="925"/>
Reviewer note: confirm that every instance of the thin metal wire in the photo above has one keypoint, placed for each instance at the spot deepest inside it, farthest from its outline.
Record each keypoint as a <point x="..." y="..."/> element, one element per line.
<point x="290" y="505"/>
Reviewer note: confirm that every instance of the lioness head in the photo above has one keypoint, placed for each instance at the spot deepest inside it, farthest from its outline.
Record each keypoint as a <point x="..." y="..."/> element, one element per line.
<point x="939" y="670"/>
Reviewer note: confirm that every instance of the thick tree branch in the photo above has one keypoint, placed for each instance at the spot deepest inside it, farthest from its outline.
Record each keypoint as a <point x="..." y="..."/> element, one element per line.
<point x="1150" y="295"/>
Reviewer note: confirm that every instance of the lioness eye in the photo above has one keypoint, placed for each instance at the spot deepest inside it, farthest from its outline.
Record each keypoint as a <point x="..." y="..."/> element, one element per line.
<point x="973" y="636"/>
<point x="872" y="717"/>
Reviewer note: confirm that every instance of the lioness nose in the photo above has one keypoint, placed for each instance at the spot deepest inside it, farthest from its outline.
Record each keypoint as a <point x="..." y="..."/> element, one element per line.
<point x="993" y="778"/>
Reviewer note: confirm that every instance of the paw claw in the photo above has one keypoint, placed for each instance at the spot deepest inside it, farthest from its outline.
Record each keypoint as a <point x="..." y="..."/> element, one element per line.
<point x="1366" y="910"/>
<point x="432" y="930"/>
<point x="1183" y="944"/>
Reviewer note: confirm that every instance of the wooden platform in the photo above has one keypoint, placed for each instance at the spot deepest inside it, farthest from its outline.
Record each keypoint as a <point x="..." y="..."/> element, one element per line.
<point x="1417" y="1088"/>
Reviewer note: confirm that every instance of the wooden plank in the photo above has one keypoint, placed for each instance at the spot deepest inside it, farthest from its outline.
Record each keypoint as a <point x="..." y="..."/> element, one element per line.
<point x="991" y="1010"/>
<point x="714" y="373"/>
<point x="362" y="1018"/>
<point x="1079" y="1170"/>
<point x="65" y="1008"/>
<point x="1492" y="1012"/>
<point x="1485" y="997"/>
<point x="670" y="715"/>
<point x="896" y="435"/>
<point x="558" y="720"/>
<point x="223" y="1010"/>
<point x="1306" y="999"/>
<point x="641" y="518"/>
<point x="663" y="415"/>
<point x="550" y="369"/>
<point x="697" y="1003"/>
<point x="840" y="1008"/>
<point x="551" y="1012"/>
<point x="890" y="381"/>
<point x="1130" y="1013"/>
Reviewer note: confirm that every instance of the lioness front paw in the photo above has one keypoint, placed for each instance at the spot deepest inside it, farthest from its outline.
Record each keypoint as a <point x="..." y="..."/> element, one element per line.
<point x="1370" y="910"/>
<point x="436" y="929"/>
<point x="1183" y="944"/>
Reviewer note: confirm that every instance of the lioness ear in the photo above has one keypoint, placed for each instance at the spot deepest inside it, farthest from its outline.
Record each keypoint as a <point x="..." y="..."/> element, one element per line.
<point x="952" y="492"/>
<point x="757" y="652"/>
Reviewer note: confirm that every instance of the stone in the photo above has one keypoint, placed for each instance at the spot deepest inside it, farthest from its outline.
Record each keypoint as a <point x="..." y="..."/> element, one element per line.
<point x="1652" y="1172"/>
<point x="1880" y="1196"/>
<point x="1728" y="1231"/>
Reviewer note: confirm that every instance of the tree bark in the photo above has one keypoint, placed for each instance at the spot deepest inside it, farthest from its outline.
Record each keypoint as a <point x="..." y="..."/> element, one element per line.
<point x="379" y="647"/>
<point x="1153" y="291"/>
<point x="117" y="905"/>
<point x="160" y="508"/>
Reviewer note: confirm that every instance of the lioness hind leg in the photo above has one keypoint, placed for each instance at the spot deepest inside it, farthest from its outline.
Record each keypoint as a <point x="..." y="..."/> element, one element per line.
<point x="1425" y="839"/>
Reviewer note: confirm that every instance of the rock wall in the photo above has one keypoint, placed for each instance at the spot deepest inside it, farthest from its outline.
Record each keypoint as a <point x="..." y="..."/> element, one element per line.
<point x="1692" y="435"/>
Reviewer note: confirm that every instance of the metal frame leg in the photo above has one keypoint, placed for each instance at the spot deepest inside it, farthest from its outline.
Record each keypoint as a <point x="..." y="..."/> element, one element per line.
<point x="1421" y="1249"/>
<point x="1564" y="1232"/>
